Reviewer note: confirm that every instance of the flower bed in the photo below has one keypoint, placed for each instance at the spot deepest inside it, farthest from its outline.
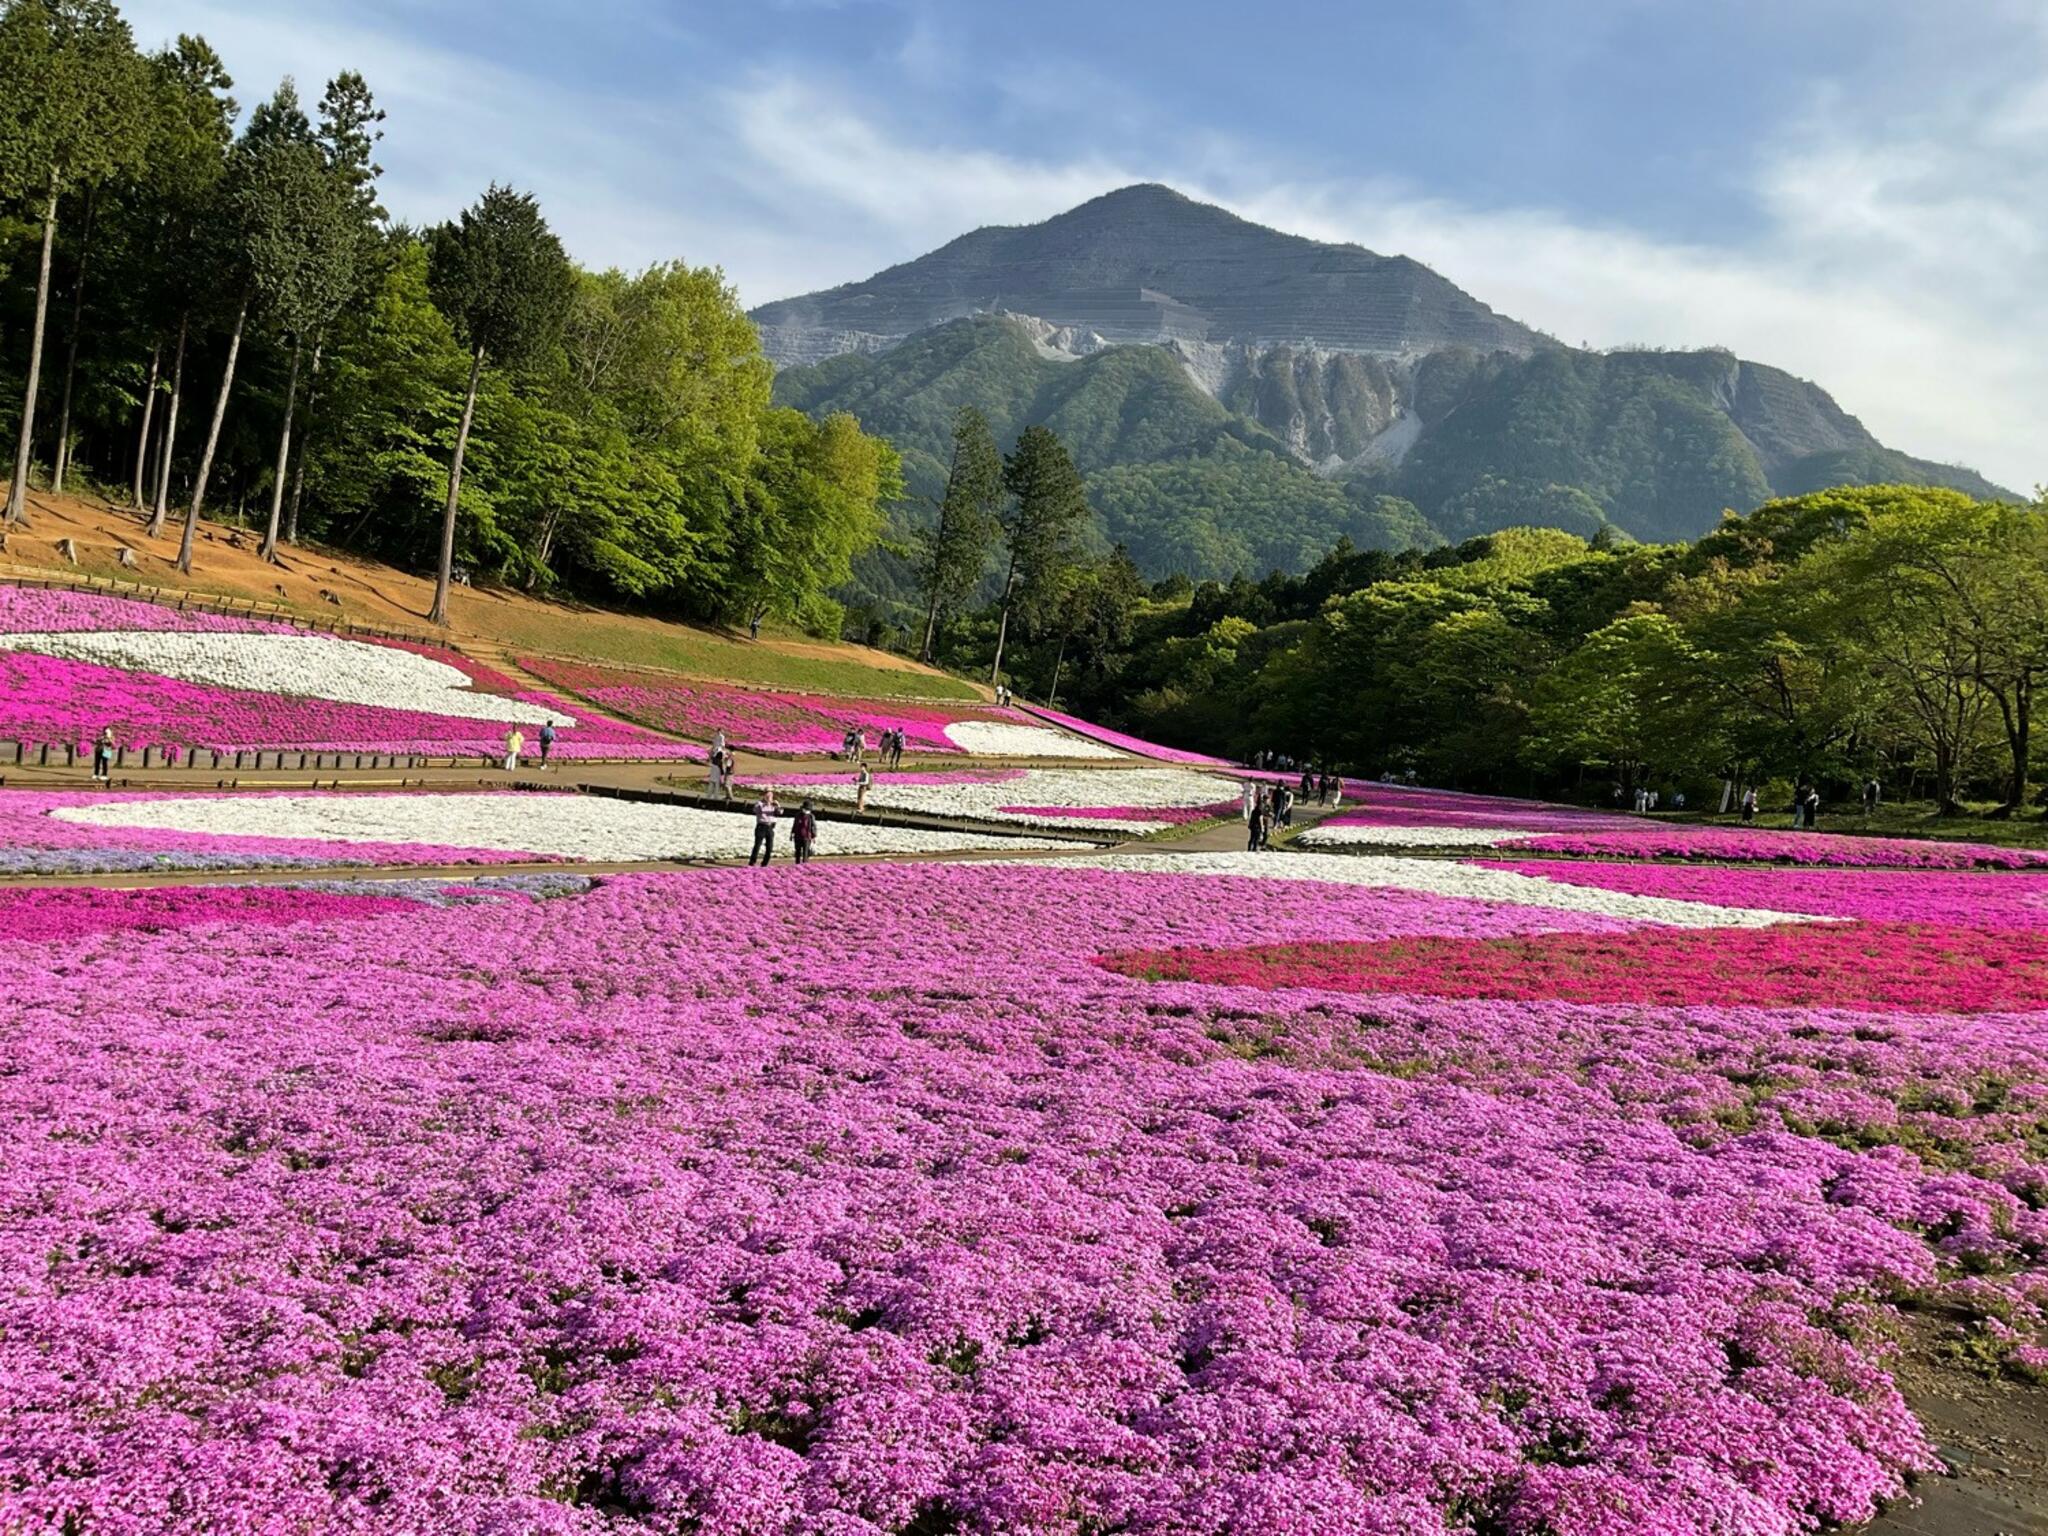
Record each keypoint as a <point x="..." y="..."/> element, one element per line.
<point x="1887" y="967"/>
<point x="862" y="1200"/>
<point x="1135" y="746"/>
<point x="1407" y="818"/>
<point x="802" y="724"/>
<point x="1134" y="800"/>
<point x="1884" y="896"/>
<point x="195" y="681"/>
<point x="1761" y="845"/>
<point x="561" y="826"/>
<point x="50" y="916"/>
<point x="70" y="833"/>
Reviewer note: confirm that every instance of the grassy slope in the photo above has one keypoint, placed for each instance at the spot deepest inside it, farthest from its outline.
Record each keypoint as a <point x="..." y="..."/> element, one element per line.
<point x="484" y="622"/>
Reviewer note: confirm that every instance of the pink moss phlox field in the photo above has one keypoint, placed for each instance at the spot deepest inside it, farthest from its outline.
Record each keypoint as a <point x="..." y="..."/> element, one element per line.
<point x="852" y="1200"/>
<point x="33" y="610"/>
<point x="1884" y="967"/>
<point x="1123" y="743"/>
<point x="1879" y="895"/>
<point x="1386" y="805"/>
<point x="47" y="698"/>
<point x="1177" y="815"/>
<point x="57" y="700"/>
<point x="846" y="775"/>
<point x="800" y="724"/>
<point x="32" y="841"/>
<point x="47" y="916"/>
<point x="1767" y="845"/>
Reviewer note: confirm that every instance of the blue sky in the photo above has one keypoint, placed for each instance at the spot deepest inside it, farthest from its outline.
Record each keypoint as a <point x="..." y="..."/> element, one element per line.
<point x="1855" y="191"/>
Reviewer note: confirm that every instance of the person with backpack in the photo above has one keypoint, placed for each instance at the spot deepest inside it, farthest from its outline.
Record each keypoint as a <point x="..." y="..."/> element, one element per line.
<point x="766" y="813"/>
<point x="547" y="742"/>
<point x="803" y="831"/>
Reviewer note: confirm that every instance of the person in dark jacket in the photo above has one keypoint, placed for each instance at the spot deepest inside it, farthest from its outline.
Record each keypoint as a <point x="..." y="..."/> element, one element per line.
<point x="803" y="831"/>
<point x="766" y="813"/>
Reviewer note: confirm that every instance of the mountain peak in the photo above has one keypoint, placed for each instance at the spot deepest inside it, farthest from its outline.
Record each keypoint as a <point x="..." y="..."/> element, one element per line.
<point x="1147" y="263"/>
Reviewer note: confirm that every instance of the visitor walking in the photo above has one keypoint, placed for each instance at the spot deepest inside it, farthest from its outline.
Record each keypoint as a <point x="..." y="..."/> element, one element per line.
<point x="1799" y="806"/>
<point x="861" y="780"/>
<point x="1251" y="799"/>
<point x="1811" y="804"/>
<point x="765" y="815"/>
<point x="1748" y="806"/>
<point x="103" y="756"/>
<point x="725" y="765"/>
<point x="1255" y="826"/>
<point x="716" y="782"/>
<point x="1872" y="795"/>
<point x="1284" y="805"/>
<point x="515" y="743"/>
<point x="803" y="831"/>
<point x="547" y="742"/>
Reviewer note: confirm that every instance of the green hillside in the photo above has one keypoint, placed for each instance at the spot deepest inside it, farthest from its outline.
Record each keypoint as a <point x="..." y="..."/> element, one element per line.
<point x="1655" y="445"/>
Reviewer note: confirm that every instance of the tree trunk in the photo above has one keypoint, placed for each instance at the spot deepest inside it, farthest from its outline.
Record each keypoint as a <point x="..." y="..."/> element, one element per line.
<point x="931" y="625"/>
<point x="164" y="454"/>
<point x="1003" y="630"/>
<point x="17" y="491"/>
<point x="439" y="612"/>
<point x="544" y="546"/>
<point x="2019" y="733"/>
<point x="156" y="357"/>
<point x="71" y="351"/>
<point x="1053" y="699"/>
<point x="284" y="457"/>
<point x="291" y="517"/>
<point x="220" y="411"/>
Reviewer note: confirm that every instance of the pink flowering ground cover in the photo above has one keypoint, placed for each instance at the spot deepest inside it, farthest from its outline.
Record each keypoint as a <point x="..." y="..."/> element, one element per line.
<point x="800" y="724"/>
<point x="1769" y="846"/>
<point x="48" y="915"/>
<point x="61" y="700"/>
<point x="843" y="1201"/>
<point x="1134" y="745"/>
<point x="34" y="842"/>
<point x="1879" y="895"/>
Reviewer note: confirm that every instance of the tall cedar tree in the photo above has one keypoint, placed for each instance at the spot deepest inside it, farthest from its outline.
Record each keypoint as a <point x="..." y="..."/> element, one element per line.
<point x="70" y="116"/>
<point x="348" y="135"/>
<point x="502" y="279"/>
<point x="271" y="176"/>
<point x="1049" y="507"/>
<point x="191" y="129"/>
<point x="970" y="517"/>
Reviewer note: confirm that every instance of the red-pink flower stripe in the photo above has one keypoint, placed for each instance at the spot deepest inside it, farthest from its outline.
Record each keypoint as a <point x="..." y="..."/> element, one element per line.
<point x="795" y="723"/>
<point x="1134" y="745"/>
<point x="843" y="1201"/>
<point x="32" y="841"/>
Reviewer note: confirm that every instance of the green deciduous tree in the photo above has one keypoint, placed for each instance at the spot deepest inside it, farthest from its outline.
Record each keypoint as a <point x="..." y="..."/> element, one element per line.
<point x="500" y="276"/>
<point x="71" y="115"/>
